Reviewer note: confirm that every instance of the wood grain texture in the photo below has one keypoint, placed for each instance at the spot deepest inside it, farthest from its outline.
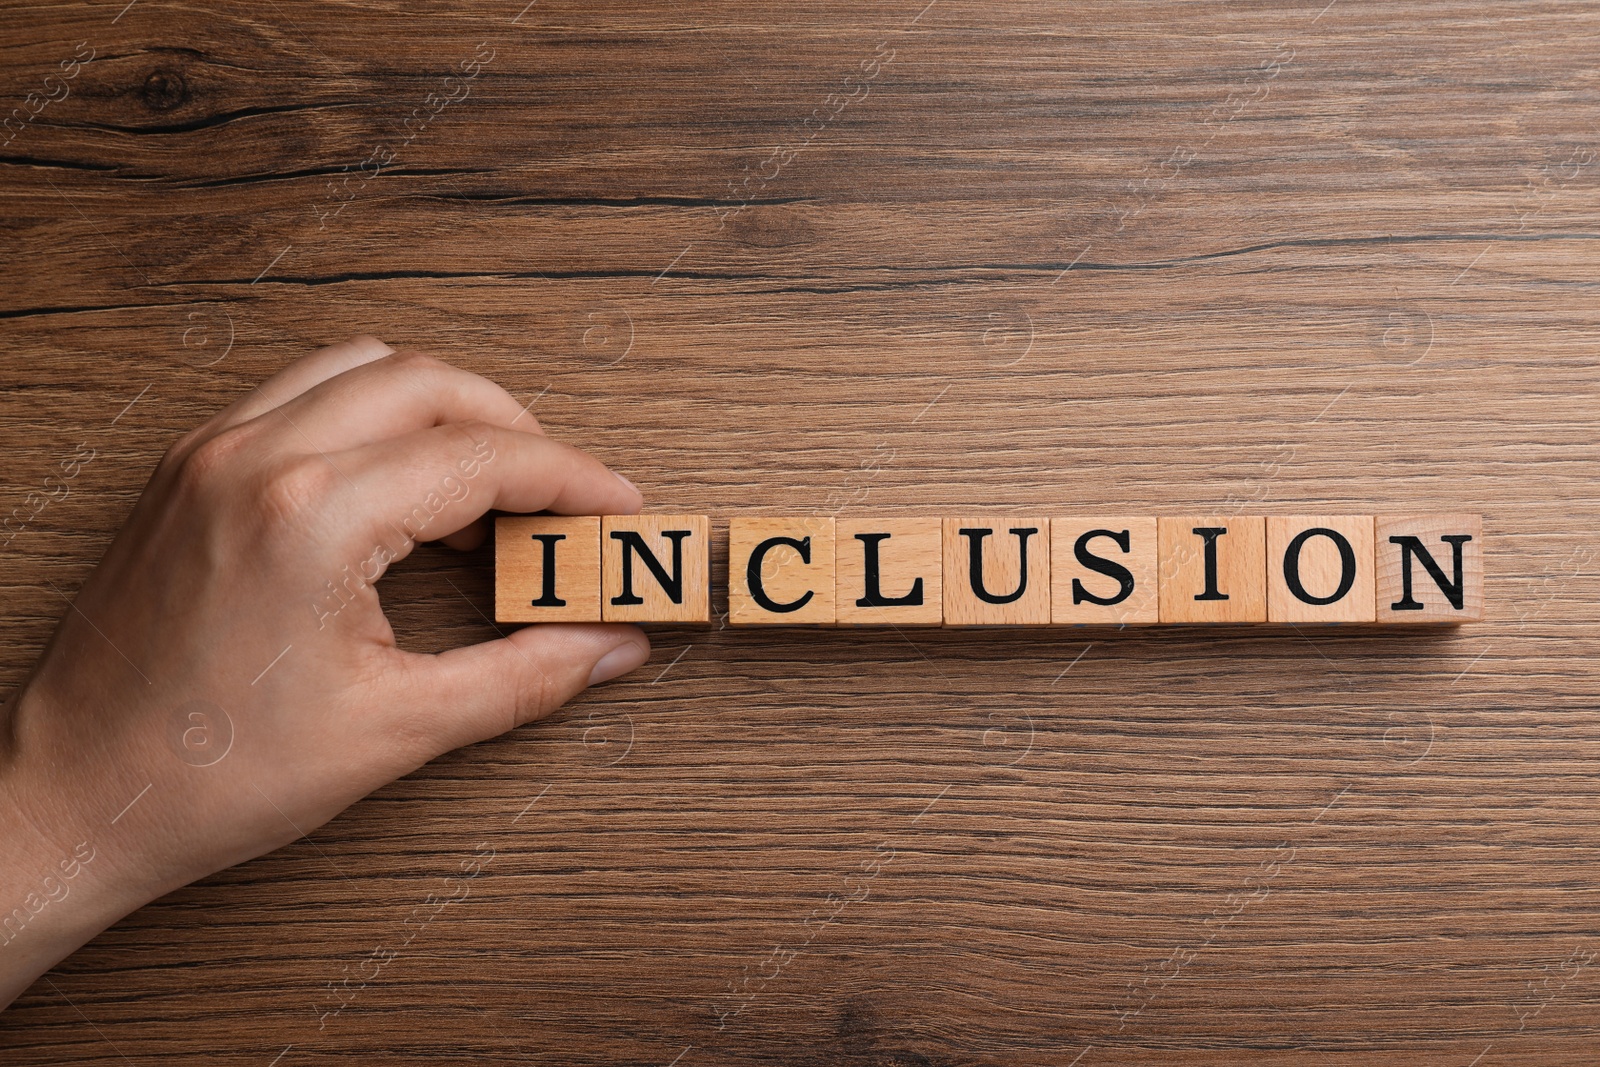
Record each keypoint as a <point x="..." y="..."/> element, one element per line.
<point x="1093" y="258"/>
<point x="1335" y="566"/>
<point x="794" y="576"/>
<point x="523" y="544"/>
<point x="1213" y="568"/>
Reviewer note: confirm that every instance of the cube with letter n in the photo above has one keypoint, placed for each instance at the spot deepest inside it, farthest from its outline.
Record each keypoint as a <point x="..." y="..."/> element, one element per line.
<point x="1430" y="569"/>
<point x="655" y="568"/>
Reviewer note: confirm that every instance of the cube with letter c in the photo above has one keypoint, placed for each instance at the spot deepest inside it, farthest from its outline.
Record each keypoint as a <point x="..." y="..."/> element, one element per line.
<point x="780" y="571"/>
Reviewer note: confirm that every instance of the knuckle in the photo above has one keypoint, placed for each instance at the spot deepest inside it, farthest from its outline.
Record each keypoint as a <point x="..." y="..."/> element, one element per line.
<point x="535" y="699"/>
<point x="413" y="362"/>
<point x="172" y="459"/>
<point x="225" y="472"/>
<point x="521" y="694"/>
<point x="294" y="490"/>
<point x="416" y="372"/>
<point x="204" y="466"/>
<point x="413" y="737"/>
<point x="473" y="432"/>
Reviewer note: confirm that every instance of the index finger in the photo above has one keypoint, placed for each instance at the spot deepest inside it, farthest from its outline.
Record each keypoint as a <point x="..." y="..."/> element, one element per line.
<point x="431" y="483"/>
<point x="387" y="397"/>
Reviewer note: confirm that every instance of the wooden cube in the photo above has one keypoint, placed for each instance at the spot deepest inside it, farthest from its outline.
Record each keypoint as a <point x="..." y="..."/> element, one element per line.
<point x="780" y="571"/>
<point x="1320" y="568"/>
<point x="997" y="572"/>
<point x="1212" y="568"/>
<point x="655" y="568"/>
<point x="1429" y="568"/>
<point x="547" y="568"/>
<point x="1103" y="571"/>
<point x="889" y="572"/>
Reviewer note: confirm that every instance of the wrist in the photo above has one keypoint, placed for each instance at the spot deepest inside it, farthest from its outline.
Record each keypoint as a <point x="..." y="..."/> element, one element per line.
<point x="60" y="885"/>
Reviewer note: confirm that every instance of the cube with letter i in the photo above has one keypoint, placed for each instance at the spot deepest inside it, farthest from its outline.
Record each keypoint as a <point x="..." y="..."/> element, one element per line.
<point x="1212" y="568"/>
<point x="547" y="568"/>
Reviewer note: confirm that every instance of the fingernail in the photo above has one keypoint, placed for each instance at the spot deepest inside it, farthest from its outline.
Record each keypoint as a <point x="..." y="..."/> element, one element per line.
<point x="619" y="661"/>
<point x="627" y="483"/>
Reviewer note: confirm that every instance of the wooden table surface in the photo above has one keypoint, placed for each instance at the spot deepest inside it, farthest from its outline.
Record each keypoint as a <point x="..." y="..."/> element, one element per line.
<point x="845" y="258"/>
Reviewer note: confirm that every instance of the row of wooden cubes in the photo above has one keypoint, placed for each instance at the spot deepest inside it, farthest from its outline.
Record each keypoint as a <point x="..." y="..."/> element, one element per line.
<point x="994" y="571"/>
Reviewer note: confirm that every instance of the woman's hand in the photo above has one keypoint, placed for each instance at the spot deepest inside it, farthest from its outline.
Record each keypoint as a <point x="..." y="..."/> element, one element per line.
<point x="226" y="680"/>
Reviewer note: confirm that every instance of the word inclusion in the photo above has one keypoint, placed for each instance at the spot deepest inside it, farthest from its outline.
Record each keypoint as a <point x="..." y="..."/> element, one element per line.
<point x="994" y="571"/>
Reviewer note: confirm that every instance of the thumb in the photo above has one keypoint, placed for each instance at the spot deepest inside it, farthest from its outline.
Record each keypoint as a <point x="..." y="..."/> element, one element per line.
<point x="480" y="691"/>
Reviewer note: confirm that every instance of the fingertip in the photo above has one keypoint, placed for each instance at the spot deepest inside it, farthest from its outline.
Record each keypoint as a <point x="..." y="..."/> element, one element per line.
<point x="580" y="643"/>
<point x="629" y="654"/>
<point x="370" y="346"/>
<point x="634" y="494"/>
<point x="521" y="678"/>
